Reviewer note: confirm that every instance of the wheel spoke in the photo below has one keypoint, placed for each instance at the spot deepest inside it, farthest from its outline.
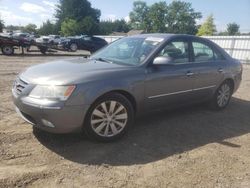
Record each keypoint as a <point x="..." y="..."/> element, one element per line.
<point x="100" y="127"/>
<point x="106" y="130"/>
<point x="95" y="121"/>
<point x="119" y="123"/>
<point x="98" y="113"/>
<point x="104" y="107"/>
<point x="112" y="107"/>
<point x="119" y="109"/>
<point x="113" y="128"/>
<point x="121" y="116"/>
<point x="220" y="100"/>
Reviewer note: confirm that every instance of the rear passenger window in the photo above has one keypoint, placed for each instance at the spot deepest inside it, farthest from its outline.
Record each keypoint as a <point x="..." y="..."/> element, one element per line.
<point x="203" y="53"/>
<point x="178" y="51"/>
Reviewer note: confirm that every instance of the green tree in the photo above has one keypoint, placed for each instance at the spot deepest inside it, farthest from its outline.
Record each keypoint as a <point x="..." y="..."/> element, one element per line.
<point x="14" y="27"/>
<point x="158" y="17"/>
<point x="181" y="18"/>
<point x="208" y="28"/>
<point x="69" y="27"/>
<point x="87" y="26"/>
<point x="1" y="25"/>
<point x="120" y="26"/>
<point x="47" y="28"/>
<point x="105" y="27"/>
<point x="139" y="16"/>
<point x="81" y="12"/>
<point x="233" y="29"/>
<point x="30" y="28"/>
<point x="177" y="17"/>
<point x="108" y="27"/>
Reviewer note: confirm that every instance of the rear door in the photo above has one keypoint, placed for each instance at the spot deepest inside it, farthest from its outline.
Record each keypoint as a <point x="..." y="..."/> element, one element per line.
<point x="208" y="68"/>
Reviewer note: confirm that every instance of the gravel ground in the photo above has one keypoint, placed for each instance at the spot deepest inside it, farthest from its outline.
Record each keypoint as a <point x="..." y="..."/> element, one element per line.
<point x="189" y="147"/>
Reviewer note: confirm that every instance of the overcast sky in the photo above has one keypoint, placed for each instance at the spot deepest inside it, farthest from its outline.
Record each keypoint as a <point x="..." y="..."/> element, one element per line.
<point x="22" y="12"/>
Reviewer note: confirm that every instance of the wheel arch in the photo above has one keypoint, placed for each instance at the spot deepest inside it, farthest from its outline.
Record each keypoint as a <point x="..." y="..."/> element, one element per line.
<point x="231" y="82"/>
<point x="125" y="93"/>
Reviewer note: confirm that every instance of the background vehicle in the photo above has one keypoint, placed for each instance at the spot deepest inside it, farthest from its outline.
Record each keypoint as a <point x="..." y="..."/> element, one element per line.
<point x="82" y="42"/>
<point x="24" y="37"/>
<point x="131" y="76"/>
<point x="8" y="43"/>
<point x="50" y="39"/>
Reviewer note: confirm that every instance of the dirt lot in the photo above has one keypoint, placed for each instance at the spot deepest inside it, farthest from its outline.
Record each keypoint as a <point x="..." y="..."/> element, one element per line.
<point x="191" y="147"/>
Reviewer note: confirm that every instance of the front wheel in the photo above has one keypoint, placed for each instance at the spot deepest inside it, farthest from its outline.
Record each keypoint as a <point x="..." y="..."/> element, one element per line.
<point x="222" y="96"/>
<point x="7" y="50"/>
<point x="109" y="118"/>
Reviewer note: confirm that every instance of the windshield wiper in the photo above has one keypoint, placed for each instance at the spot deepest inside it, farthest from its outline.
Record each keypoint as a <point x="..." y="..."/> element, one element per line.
<point x="103" y="60"/>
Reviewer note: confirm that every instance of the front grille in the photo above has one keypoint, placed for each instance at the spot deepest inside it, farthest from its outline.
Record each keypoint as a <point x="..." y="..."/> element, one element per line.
<point x="19" y="86"/>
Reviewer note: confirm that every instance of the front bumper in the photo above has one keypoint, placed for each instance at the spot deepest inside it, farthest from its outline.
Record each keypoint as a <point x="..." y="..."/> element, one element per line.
<point x="51" y="118"/>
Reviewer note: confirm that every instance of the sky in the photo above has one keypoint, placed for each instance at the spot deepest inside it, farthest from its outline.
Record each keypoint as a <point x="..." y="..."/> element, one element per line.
<point x="22" y="12"/>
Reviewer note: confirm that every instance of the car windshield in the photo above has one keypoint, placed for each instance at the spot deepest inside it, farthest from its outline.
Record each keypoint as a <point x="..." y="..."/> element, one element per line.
<point x="128" y="51"/>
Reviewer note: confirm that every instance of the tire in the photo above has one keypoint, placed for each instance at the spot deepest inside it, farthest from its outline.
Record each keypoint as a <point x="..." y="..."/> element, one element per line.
<point x="73" y="47"/>
<point x="7" y="50"/>
<point x="43" y="50"/>
<point x="32" y="42"/>
<point x="112" y="124"/>
<point x="222" y="96"/>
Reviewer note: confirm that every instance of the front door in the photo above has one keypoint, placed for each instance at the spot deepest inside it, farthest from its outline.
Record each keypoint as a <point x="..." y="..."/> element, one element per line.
<point x="172" y="83"/>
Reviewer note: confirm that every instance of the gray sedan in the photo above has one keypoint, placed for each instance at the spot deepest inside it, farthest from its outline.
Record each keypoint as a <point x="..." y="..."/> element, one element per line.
<point x="103" y="94"/>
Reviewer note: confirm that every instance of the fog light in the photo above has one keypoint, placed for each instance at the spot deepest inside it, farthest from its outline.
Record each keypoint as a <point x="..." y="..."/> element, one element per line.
<point x="47" y="123"/>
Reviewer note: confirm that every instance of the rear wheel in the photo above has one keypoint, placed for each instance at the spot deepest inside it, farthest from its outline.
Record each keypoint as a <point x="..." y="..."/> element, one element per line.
<point x="7" y="50"/>
<point x="109" y="118"/>
<point x="73" y="47"/>
<point x="222" y="96"/>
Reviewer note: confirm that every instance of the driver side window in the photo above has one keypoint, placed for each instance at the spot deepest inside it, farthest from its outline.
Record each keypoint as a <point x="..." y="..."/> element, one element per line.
<point x="177" y="51"/>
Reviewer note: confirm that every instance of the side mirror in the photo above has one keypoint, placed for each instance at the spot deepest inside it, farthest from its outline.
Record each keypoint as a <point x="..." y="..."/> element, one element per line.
<point x="162" y="60"/>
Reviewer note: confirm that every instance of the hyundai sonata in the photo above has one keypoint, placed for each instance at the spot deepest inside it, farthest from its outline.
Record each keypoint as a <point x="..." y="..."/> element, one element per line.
<point x="101" y="95"/>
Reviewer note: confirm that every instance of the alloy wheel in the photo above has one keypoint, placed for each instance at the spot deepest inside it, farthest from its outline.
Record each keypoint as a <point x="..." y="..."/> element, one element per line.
<point x="223" y="96"/>
<point x="109" y="118"/>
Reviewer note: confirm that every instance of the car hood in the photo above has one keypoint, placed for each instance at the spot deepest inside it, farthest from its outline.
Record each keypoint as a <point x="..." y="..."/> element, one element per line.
<point x="72" y="71"/>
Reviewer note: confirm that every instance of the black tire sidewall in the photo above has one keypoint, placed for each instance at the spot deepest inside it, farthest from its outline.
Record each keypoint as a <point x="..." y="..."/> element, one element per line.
<point x="115" y="97"/>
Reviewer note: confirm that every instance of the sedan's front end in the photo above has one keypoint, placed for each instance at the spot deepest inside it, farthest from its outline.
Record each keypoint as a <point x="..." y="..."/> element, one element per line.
<point x="48" y="107"/>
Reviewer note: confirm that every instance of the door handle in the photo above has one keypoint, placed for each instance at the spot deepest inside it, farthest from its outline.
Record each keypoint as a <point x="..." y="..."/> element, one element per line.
<point x="189" y="74"/>
<point x="220" y="70"/>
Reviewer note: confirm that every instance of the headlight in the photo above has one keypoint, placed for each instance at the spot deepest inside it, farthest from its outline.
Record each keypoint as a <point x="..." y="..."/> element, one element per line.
<point x="52" y="92"/>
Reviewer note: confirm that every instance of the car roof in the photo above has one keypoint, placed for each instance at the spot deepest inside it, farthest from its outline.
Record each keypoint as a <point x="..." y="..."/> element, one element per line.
<point x="167" y="36"/>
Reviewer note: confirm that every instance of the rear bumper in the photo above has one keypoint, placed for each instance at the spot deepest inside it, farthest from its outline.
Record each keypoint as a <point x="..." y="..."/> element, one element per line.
<point x="63" y="119"/>
<point x="237" y="81"/>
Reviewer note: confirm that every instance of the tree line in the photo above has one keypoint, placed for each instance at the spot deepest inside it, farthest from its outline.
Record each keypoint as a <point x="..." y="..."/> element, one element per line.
<point x="76" y="17"/>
